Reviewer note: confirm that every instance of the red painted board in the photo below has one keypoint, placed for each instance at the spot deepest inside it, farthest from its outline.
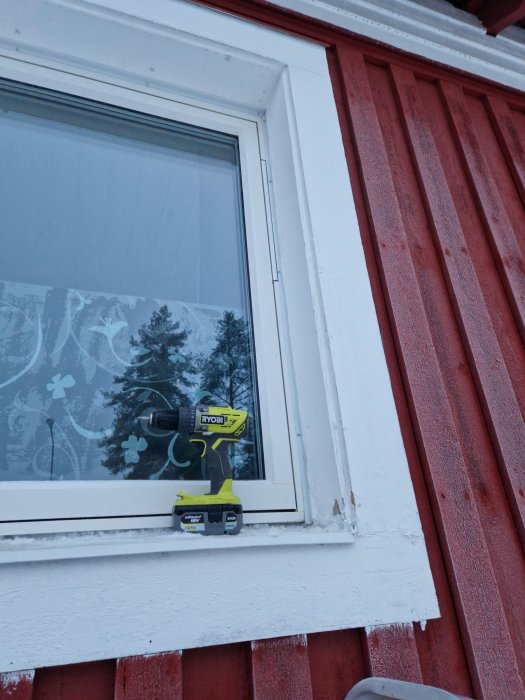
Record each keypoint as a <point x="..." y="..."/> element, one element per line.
<point x="499" y="227"/>
<point x="336" y="663"/>
<point x="470" y="5"/>
<point x="475" y="589"/>
<point x="89" y="681"/>
<point x="498" y="14"/>
<point x="440" y="648"/>
<point x="217" y="673"/>
<point x="17" y="685"/>
<point x="280" y="669"/>
<point x="392" y="653"/>
<point x="151" y="677"/>
<point x="511" y="139"/>
<point x="502" y="410"/>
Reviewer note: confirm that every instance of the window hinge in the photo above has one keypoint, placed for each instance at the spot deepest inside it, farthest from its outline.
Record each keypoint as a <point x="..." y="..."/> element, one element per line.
<point x="270" y="222"/>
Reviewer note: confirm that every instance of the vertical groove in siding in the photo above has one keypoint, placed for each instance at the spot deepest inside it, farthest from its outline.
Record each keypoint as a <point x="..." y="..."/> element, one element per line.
<point x="221" y="672"/>
<point x="495" y="672"/>
<point x="511" y="140"/>
<point x="79" y="681"/>
<point x="336" y="663"/>
<point x="498" y="224"/>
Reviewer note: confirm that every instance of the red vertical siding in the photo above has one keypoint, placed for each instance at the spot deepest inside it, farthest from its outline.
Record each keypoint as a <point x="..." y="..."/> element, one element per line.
<point x="393" y="138"/>
<point x="437" y="163"/>
<point x="157" y="676"/>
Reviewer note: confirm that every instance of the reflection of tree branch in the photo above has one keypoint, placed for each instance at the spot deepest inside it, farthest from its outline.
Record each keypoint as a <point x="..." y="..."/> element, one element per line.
<point x="159" y="384"/>
<point x="31" y="361"/>
<point x="242" y="394"/>
<point x="149" y="380"/>
<point x="141" y="388"/>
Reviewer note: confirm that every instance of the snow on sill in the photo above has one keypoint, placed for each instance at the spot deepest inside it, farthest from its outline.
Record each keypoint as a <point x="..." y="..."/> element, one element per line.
<point x="83" y="545"/>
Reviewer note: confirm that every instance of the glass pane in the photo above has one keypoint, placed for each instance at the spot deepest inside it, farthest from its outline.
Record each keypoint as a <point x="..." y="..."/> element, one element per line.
<point x="123" y="288"/>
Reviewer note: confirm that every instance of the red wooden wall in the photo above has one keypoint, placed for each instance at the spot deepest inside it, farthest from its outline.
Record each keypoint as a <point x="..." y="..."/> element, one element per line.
<point x="437" y="162"/>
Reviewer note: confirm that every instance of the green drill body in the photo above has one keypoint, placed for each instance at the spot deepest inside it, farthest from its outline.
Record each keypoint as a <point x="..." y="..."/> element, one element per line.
<point x="218" y="512"/>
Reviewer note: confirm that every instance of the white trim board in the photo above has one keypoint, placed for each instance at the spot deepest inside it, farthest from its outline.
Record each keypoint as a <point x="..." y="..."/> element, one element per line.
<point x="76" y="610"/>
<point x="343" y="422"/>
<point x="432" y="29"/>
<point x="126" y="542"/>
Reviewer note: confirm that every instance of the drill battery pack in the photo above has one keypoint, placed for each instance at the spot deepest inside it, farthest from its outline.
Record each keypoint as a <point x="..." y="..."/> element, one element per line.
<point x="209" y="518"/>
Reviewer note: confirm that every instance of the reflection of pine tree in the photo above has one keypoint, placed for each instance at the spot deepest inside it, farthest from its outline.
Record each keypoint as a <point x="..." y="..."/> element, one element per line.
<point x="227" y="375"/>
<point x="158" y="378"/>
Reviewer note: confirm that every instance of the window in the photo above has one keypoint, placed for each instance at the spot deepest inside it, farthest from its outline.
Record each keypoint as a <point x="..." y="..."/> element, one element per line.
<point x="135" y="296"/>
<point x="185" y="63"/>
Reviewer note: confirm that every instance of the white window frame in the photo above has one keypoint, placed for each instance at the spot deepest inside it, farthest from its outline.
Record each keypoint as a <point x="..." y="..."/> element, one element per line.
<point x="359" y="559"/>
<point x="39" y="506"/>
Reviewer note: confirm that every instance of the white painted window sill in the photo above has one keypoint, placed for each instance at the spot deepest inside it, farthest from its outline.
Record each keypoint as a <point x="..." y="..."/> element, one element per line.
<point x="110" y="544"/>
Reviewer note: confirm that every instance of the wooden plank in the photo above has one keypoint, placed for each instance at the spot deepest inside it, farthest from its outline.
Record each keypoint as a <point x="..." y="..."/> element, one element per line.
<point x="17" y="685"/>
<point x="483" y="471"/>
<point x="498" y="14"/>
<point x="511" y="140"/>
<point x="336" y="663"/>
<point x="501" y="234"/>
<point x="79" y="681"/>
<point x="468" y="562"/>
<point x="471" y="5"/>
<point x="220" y="672"/>
<point x="501" y="407"/>
<point x="392" y="653"/>
<point x="280" y="669"/>
<point x="502" y="411"/>
<point x="156" y="676"/>
<point x="440" y="648"/>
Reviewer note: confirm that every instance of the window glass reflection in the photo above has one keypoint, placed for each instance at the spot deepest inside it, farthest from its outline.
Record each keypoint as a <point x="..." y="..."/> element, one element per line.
<point x="123" y="288"/>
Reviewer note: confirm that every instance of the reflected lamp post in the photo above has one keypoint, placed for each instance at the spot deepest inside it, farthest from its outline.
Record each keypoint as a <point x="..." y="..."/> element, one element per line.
<point x="51" y="422"/>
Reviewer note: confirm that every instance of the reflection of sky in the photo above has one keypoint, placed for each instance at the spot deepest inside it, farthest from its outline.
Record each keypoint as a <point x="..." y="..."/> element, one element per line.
<point x="86" y="209"/>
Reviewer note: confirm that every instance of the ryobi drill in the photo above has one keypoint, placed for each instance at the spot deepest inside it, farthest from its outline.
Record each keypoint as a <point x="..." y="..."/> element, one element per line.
<point x="218" y="512"/>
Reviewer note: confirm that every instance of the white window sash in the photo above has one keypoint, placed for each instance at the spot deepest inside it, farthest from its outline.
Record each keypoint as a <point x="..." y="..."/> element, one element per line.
<point x="37" y="500"/>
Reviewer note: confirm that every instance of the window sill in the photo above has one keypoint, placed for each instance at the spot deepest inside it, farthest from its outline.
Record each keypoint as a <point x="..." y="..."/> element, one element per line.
<point x="110" y="544"/>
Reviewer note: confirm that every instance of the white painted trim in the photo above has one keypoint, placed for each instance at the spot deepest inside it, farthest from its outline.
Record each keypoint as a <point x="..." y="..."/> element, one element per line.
<point x="342" y="419"/>
<point x="99" y="525"/>
<point x="38" y="500"/>
<point x="433" y="29"/>
<point x="75" y="610"/>
<point x="123" y="543"/>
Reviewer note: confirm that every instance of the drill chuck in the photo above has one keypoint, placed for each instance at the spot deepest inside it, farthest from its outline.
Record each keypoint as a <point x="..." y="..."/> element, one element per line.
<point x="181" y="420"/>
<point x="164" y="420"/>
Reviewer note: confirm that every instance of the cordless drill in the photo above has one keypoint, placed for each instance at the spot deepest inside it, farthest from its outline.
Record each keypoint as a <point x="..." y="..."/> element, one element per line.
<point x="218" y="512"/>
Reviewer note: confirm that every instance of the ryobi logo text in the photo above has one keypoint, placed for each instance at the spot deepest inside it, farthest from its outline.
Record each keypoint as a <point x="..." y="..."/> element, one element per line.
<point x="216" y="420"/>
